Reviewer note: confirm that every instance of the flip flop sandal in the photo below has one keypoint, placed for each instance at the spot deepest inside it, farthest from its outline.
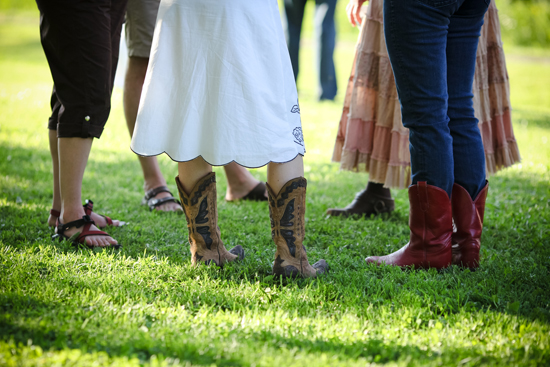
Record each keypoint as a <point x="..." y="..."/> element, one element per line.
<point x="256" y="194"/>
<point x="152" y="203"/>
<point x="88" y="208"/>
<point x="79" y="238"/>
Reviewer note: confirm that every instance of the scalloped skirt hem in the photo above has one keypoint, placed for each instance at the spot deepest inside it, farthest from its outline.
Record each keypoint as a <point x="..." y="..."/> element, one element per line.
<point x="240" y="162"/>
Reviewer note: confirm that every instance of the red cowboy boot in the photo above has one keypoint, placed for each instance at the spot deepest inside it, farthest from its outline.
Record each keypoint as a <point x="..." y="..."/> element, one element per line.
<point x="468" y="217"/>
<point x="430" y="221"/>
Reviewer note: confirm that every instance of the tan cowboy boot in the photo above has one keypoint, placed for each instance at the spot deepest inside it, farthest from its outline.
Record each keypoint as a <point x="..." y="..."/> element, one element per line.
<point x="287" y="212"/>
<point x="201" y="213"/>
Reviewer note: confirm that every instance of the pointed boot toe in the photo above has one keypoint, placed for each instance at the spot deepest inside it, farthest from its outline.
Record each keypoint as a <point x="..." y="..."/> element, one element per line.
<point x="430" y="223"/>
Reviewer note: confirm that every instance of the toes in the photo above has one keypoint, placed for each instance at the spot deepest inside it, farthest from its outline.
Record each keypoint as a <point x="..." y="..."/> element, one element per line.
<point x="169" y="207"/>
<point x="111" y="241"/>
<point x="101" y="241"/>
<point x="91" y="241"/>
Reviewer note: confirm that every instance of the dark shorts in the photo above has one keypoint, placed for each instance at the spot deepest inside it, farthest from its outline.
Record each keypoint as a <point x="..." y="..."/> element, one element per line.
<point x="81" y="42"/>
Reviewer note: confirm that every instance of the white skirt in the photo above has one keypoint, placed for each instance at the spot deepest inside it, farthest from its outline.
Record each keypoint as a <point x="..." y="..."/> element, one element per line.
<point x="219" y="85"/>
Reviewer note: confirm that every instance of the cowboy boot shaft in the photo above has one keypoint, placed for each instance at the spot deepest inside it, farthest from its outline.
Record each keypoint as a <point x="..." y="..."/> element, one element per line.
<point x="468" y="217"/>
<point x="287" y="214"/>
<point x="430" y="217"/>
<point x="430" y="222"/>
<point x="201" y="214"/>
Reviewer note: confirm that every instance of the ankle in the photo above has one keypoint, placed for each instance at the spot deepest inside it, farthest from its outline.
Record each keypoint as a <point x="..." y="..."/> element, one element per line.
<point x="71" y="214"/>
<point x="151" y="183"/>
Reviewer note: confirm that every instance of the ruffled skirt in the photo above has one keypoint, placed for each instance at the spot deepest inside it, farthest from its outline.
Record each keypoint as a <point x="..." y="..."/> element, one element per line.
<point x="371" y="136"/>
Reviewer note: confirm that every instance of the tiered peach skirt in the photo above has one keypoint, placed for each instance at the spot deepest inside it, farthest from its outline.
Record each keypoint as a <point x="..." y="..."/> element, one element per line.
<point x="371" y="136"/>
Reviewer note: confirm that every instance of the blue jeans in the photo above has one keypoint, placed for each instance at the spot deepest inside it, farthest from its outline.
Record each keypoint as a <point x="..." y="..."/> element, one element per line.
<point x="432" y="47"/>
<point x="325" y="32"/>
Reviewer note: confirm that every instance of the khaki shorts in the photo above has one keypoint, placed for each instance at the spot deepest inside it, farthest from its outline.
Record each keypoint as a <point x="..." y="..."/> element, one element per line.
<point x="141" y="16"/>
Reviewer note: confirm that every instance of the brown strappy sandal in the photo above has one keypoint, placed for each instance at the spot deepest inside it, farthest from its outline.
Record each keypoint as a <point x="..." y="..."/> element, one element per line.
<point x="152" y="203"/>
<point x="88" y="208"/>
<point x="87" y="222"/>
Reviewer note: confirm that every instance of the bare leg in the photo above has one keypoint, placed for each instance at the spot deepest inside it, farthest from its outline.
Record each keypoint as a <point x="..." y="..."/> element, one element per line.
<point x="239" y="181"/>
<point x="73" y="156"/>
<point x="133" y="83"/>
<point x="287" y="208"/>
<point x="56" y="204"/>
<point x="191" y="172"/>
<point x="280" y="173"/>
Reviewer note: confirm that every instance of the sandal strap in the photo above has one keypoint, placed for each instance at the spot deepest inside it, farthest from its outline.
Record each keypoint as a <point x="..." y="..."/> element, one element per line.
<point x="86" y="221"/>
<point x="154" y="192"/>
<point x="55" y="213"/>
<point x="153" y="203"/>
<point x="88" y="208"/>
<point x="86" y="232"/>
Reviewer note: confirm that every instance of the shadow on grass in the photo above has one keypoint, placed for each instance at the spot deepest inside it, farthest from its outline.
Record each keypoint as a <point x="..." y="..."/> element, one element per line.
<point x="143" y="347"/>
<point x="513" y="277"/>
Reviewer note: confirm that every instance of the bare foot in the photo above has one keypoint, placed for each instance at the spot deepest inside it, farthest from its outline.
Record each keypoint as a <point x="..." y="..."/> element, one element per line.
<point x="92" y="241"/>
<point x="169" y="206"/>
<point x="100" y="221"/>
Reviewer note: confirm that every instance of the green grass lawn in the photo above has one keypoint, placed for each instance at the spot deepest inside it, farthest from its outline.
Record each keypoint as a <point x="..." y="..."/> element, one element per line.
<point x="146" y="304"/>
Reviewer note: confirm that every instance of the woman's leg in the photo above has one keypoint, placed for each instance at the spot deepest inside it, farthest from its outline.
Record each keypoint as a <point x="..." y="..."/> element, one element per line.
<point x="416" y="37"/>
<point x="470" y="188"/>
<point x="56" y="201"/>
<point x="191" y="172"/>
<point x="278" y="174"/>
<point x="286" y="189"/>
<point x="197" y="188"/>
<point x="462" y="41"/>
<point x="73" y="157"/>
<point x="133" y="84"/>
<point x="240" y="182"/>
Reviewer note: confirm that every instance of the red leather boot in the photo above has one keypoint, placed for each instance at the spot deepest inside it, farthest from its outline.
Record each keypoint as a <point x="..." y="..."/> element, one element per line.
<point x="430" y="221"/>
<point x="468" y="217"/>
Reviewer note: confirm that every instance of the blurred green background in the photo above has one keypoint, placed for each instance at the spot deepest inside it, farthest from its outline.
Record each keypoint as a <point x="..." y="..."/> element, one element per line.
<point x="524" y="22"/>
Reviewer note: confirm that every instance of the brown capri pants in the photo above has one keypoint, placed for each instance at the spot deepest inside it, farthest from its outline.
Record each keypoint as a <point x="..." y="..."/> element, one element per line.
<point x="81" y="41"/>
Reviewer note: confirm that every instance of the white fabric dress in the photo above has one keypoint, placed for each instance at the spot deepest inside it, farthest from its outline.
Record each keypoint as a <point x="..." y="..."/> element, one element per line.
<point x="219" y="85"/>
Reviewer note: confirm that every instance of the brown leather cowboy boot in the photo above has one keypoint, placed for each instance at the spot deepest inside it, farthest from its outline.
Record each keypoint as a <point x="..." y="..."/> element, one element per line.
<point x="430" y="221"/>
<point x="287" y="212"/>
<point x="468" y="217"/>
<point x="365" y="203"/>
<point x="201" y="213"/>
